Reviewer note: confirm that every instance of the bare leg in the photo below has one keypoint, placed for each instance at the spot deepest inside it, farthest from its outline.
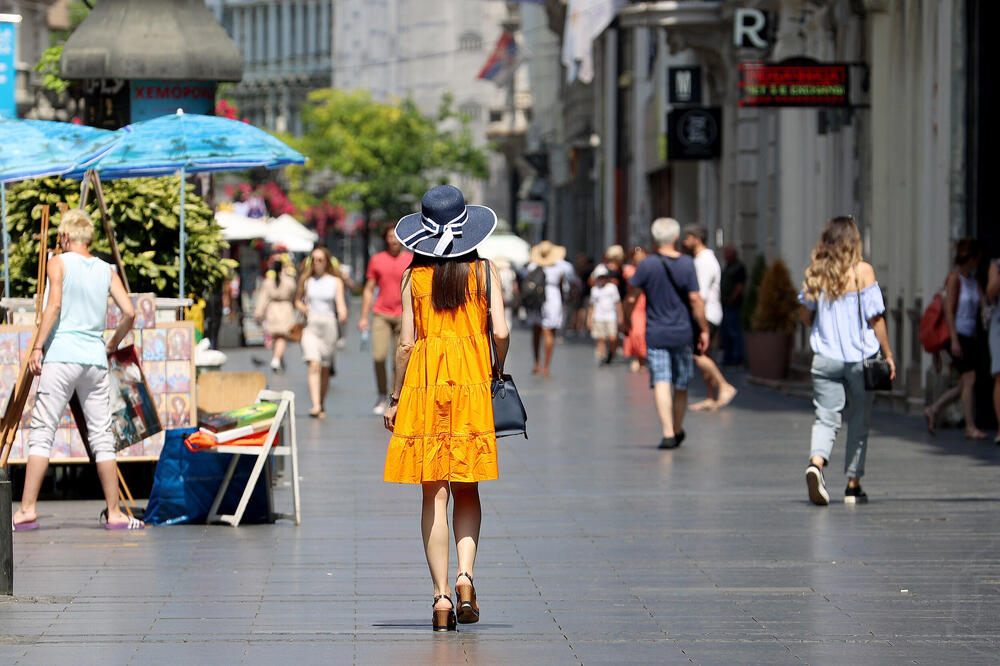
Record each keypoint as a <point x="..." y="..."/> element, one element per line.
<point x="107" y="472"/>
<point x="315" y="376"/>
<point x="612" y="345"/>
<point x="550" y="343"/>
<point x="467" y="519"/>
<point x="946" y="398"/>
<point x="996" y="400"/>
<point x="715" y="383"/>
<point x="280" y="344"/>
<point x="968" y="383"/>
<point x="663" y="396"/>
<point x="680" y="407"/>
<point x="324" y="387"/>
<point x="434" y="527"/>
<point x="33" y="476"/>
<point x="536" y="338"/>
<point x="599" y="348"/>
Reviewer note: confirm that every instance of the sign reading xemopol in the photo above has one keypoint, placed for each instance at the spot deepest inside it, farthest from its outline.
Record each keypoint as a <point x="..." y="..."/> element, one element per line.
<point x="151" y="98"/>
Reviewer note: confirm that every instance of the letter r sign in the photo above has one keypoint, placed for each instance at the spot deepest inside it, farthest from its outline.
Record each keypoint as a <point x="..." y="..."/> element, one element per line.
<point x="750" y="29"/>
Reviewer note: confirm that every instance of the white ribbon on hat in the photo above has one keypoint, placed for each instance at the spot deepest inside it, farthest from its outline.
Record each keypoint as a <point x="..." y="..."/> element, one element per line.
<point x="448" y="232"/>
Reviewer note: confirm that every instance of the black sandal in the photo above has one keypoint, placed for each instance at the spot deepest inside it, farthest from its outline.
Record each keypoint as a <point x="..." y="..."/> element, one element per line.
<point x="443" y="619"/>
<point x="468" y="609"/>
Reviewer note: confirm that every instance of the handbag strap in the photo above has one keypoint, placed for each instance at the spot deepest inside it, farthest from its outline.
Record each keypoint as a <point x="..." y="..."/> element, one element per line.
<point x="861" y="317"/>
<point x="685" y="298"/>
<point x="495" y="371"/>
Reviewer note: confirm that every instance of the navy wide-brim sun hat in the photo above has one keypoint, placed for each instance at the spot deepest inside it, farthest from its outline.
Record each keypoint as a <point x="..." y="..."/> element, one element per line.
<point x="445" y="227"/>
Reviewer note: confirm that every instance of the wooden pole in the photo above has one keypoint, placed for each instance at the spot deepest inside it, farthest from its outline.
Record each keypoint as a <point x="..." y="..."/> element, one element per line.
<point x="89" y="178"/>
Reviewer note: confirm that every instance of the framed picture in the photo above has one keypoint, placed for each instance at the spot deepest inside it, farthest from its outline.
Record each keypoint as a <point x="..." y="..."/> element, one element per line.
<point x="133" y="410"/>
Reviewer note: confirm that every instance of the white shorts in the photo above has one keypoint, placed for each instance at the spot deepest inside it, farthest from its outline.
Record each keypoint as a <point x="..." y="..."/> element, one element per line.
<point x="602" y="330"/>
<point x="55" y="387"/>
<point x="319" y="339"/>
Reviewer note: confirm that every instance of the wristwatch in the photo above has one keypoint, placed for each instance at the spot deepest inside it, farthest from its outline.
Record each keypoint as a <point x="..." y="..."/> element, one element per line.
<point x="393" y="400"/>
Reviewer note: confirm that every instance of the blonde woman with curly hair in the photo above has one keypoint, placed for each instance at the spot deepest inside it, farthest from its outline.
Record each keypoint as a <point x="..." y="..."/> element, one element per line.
<point x="842" y="302"/>
<point x="320" y="299"/>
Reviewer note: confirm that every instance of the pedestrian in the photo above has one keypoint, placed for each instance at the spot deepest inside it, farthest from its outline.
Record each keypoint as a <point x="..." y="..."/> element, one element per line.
<point x="320" y="299"/>
<point x="962" y="301"/>
<point x="734" y="280"/>
<point x="275" y="307"/>
<point x="546" y="267"/>
<point x="720" y="392"/>
<point x="842" y="303"/>
<point x="440" y="411"/>
<point x="70" y="356"/>
<point x="582" y="268"/>
<point x="385" y="271"/>
<point x="605" y="316"/>
<point x="634" y="346"/>
<point x="993" y="294"/>
<point x="508" y="285"/>
<point x="674" y="310"/>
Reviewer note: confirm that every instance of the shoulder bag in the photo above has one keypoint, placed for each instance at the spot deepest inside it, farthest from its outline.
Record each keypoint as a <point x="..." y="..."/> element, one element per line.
<point x="686" y="301"/>
<point x="509" y="417"/>
<point x="878" y="375"/>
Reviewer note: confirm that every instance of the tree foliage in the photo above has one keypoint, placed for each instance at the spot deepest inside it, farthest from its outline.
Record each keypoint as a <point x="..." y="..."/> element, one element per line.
<point x="377" y="158"/>
<point x="145" y="213"/>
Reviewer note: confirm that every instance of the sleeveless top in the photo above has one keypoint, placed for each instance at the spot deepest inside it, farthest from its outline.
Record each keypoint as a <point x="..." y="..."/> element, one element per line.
<point x="79" y="334"/>
<point x="320" y="296"/>
<point x="968" y="306"/>
<point x="444" y="425"/>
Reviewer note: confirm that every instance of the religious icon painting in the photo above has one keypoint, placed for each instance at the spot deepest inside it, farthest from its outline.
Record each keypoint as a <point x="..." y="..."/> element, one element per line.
<point x="178" y="377"/>
<point x="179" y="344"/>
<point x="10" y="348"/>
<point x="156" y="375"/>
<point x="178" y="410"/>
<point x="145" y="310"/>
<point x="154" y="345"/>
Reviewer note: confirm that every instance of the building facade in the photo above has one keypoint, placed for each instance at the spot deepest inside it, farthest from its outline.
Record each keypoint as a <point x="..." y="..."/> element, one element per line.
<point x="287" y="48"/>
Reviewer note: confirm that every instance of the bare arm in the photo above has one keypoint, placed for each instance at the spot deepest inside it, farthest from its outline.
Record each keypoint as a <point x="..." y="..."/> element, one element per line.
<point x="501" y="334"/>
<point x="882" y="334"/>
<point x="124" y="303"/>
<point x="407" y="338"/>
<point x="806" y="316"/>
<point x="993" y="283"/>
<point x="50" y="316"/>
<point x="341" y="302"/>
<point x="952" y="290"/>
<point x="366" y="304"/>
<point x="621" y="314"/>
<point x="698" y="312"/>
<point x="631" y="297"/>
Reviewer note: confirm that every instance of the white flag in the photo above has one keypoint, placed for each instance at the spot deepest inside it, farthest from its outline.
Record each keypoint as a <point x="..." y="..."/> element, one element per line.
<point x="585" y="21"/>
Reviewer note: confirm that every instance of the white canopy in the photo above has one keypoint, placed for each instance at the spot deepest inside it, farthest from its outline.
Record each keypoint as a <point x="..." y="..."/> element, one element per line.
<point x="290" y="233"/>
<point x="237" y="227"/>
<point x="506" y="246"/>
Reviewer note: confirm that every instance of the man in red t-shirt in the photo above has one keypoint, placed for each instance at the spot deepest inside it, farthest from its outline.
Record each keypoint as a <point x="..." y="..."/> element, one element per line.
<point x="385" y="271"/>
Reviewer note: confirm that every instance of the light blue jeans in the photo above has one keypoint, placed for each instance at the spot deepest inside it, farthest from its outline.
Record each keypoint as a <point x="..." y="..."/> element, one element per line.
<point x="839" y="393"/>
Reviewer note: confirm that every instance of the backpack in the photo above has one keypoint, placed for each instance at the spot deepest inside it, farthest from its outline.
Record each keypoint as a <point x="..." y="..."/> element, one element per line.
<point x="533" y="289"/>
<point x="933" y="331"/>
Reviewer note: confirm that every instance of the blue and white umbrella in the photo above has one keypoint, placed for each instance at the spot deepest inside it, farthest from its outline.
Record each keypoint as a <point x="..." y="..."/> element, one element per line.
<point x="190" y="143"/>
<point x="39" y="148"/>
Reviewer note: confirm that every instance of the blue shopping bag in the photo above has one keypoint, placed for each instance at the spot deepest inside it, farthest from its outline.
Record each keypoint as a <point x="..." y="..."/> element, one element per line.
<point x="185" y="484"/>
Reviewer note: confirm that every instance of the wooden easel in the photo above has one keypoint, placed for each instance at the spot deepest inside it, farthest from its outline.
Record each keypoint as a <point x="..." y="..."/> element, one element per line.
<point x="19" y="396"/>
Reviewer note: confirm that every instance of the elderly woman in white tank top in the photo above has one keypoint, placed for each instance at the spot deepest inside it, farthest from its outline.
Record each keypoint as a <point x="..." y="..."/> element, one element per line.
<point x="321" y="299"/>
<point x="71" y="356"/>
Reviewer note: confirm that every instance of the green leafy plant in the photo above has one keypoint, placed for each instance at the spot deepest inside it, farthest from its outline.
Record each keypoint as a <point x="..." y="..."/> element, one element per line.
<point x="145" y="213"/>
<point x="753" y="287"/>
<point x="777" y="301"/>
<point x="48" y="67"/>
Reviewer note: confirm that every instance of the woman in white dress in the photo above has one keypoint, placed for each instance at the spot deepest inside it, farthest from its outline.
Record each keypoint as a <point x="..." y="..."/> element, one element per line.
<point x="321" y="301"/>
<point x="550" y="258"/>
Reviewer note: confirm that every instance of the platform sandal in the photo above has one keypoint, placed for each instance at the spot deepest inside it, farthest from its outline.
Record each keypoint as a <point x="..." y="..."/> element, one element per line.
<point x="443" y="618"/>
<point x="468" y="609"/>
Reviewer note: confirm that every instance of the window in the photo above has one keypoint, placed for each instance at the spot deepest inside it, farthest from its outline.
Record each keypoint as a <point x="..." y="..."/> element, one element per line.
<point x="496" y="116"/>
<point x="470" y="110"/>
<point x="470" y="41"/>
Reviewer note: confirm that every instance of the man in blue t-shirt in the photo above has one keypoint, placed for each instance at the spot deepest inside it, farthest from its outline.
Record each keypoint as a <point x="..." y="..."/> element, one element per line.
<point x="674" y="308"/>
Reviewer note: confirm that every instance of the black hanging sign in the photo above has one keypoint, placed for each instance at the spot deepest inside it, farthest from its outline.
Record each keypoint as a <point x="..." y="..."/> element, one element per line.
<point x="694" y="133"/>
<point x="684" y="85"/>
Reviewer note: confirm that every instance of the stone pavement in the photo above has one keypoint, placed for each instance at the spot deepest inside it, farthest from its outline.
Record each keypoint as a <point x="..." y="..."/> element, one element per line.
<point x="596" y="548"/>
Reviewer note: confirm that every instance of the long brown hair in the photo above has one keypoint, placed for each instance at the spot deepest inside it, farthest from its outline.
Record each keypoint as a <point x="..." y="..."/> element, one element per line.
<point x="450" y="284"/>
<point x="836" y="254"/>
<point x="309" y="270"/>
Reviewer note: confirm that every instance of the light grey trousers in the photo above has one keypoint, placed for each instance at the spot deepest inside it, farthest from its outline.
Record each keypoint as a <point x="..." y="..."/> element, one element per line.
<point x="839" y="393"/>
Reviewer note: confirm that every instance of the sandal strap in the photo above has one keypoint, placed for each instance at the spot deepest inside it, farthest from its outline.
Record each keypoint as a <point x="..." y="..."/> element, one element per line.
<point x="463" y="573"/>
<point x="440" y="597"/>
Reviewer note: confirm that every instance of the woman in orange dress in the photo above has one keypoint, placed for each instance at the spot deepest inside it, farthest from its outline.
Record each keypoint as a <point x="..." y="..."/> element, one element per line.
<point x="441" y="411"/>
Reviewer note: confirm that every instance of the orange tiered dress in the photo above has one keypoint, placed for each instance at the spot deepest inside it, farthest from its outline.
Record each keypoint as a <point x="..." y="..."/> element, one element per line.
<point x="444" y="425"/>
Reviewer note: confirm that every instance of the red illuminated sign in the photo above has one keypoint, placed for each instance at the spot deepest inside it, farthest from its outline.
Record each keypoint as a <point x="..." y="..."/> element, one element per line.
<point x="793" y="84"/>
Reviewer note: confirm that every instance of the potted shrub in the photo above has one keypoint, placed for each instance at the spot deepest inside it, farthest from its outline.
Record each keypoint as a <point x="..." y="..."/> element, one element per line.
<point x="775" y="318"/>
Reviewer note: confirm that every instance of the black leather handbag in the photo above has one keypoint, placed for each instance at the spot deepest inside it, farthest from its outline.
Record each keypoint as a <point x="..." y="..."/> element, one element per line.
<point x="509" y="417"/>
<point x="878" y="374"/>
